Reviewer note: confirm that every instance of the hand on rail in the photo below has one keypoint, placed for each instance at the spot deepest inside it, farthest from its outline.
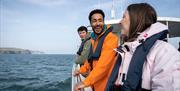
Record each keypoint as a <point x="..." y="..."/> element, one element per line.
<point x="79" y="86"/>
<point x="76" y="72"/>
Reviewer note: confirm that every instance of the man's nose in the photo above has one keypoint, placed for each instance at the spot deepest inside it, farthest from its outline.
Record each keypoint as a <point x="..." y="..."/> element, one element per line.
<point x="98" y="23"/>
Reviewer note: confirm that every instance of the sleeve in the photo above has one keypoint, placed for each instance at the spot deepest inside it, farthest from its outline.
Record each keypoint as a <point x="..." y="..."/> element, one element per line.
<point x="84" y="68"/>
<point x="166" y="71"/>
<point x="81" y="59"/>
<point x="105" y="61"/>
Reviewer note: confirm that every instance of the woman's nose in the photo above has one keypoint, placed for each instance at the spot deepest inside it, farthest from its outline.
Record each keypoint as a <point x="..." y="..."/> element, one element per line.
<point x="120" y="21"/>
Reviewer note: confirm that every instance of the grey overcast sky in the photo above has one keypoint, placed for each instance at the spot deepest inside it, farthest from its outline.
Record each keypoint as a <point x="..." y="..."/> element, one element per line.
<point x="50" y="25"/>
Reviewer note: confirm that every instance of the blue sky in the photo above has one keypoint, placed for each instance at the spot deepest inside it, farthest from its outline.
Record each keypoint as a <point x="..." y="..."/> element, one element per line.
<point x="50" y="25"/>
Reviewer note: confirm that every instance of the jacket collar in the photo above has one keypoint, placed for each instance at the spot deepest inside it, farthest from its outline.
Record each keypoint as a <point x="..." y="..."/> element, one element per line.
<point x="87" y="36"/>
<point x="152" y="30"/>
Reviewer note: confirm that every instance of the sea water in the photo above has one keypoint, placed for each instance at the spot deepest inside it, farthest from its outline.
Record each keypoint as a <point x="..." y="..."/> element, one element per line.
<point x="44" y="72"/>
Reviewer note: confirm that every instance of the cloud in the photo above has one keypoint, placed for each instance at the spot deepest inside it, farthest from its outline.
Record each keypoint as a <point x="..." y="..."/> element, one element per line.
<point x="108" y="5"/>
<point x="9" y="16"/>
<point x="48" y="3"/>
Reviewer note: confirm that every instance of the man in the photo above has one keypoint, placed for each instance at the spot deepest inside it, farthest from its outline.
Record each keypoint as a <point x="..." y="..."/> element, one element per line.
<point x="82" y="53"/>
<point x="102" y="55"/>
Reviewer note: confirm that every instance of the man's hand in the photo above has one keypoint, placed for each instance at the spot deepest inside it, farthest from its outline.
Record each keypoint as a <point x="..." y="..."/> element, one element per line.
<point x="79" y="86"/>
<point x="76" y="72"/>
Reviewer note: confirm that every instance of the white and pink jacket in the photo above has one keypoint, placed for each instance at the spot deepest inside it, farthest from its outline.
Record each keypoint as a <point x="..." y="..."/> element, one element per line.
<point x="161" y="70"/>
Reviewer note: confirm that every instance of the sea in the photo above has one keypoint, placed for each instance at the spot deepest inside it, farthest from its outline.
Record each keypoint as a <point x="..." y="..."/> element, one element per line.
<point x="35" y="72"/>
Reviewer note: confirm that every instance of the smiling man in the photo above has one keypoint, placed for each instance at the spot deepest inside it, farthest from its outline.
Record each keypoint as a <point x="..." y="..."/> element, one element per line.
<point x="102" y="56"/>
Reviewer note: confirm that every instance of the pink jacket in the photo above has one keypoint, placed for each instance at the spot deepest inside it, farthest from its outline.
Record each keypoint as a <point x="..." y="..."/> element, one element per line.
<point x="161" y="70"/>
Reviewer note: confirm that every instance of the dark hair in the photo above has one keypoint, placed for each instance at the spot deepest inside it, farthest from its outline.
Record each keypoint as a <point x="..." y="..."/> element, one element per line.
<point x="94" y="12"/>
<point x="142" y="15"/>
<point x="82" y="28"/>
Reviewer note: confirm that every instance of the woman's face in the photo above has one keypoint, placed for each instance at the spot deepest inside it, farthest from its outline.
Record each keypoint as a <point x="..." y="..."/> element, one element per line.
<point x="125" y="22"/>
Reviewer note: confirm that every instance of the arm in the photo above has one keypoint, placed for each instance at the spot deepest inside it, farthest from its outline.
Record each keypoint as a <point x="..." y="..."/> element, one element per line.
<point x="105" y="61"/>
<point x="85" y="68"/>
<point x="165" y="75"/>
<point x="81" y="59"/>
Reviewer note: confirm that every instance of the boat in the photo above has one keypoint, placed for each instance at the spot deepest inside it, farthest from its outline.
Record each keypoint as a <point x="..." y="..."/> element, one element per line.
<point x="78" y="78"/>
<point x="173" y="24"/>
<point x="174" y="32"/>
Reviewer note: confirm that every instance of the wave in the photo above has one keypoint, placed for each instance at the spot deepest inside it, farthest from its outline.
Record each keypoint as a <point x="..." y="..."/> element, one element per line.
<point x="54" y="86"/>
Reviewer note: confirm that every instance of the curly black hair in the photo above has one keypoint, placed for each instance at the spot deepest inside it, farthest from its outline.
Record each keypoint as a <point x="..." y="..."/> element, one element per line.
<point x="96" y="11"/>
<point x="82" y="28"/>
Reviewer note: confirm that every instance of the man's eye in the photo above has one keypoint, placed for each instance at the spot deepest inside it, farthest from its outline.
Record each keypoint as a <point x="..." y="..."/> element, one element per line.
<point x="93" y="21"/>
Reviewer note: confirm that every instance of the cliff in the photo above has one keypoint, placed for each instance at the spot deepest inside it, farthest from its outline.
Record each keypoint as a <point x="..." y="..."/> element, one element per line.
<point x="18" y="51"/>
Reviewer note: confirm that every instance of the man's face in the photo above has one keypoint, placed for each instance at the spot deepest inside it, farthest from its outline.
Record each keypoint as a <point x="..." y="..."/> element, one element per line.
<point x="97" y="23"/>
<point x="82" y="34"/>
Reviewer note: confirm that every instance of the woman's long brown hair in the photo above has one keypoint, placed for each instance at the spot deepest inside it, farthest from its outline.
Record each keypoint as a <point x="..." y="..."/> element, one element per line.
<point x="142" y="15"/>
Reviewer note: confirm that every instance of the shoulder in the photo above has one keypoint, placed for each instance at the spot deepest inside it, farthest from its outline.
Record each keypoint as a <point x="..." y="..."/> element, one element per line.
<point x="111" y="40"/>
<point x="163" y="52"/>
<point x="88" y="43"/>
<point x="164" y="46"/>
<point x="111" y="36"/>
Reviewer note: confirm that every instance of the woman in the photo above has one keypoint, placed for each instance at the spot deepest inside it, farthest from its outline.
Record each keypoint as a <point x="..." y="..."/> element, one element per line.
<point x="145" y="61"/>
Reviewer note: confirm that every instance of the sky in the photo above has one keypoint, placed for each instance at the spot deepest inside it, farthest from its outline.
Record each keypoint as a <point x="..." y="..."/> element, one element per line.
<point x="51" y="26"/>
